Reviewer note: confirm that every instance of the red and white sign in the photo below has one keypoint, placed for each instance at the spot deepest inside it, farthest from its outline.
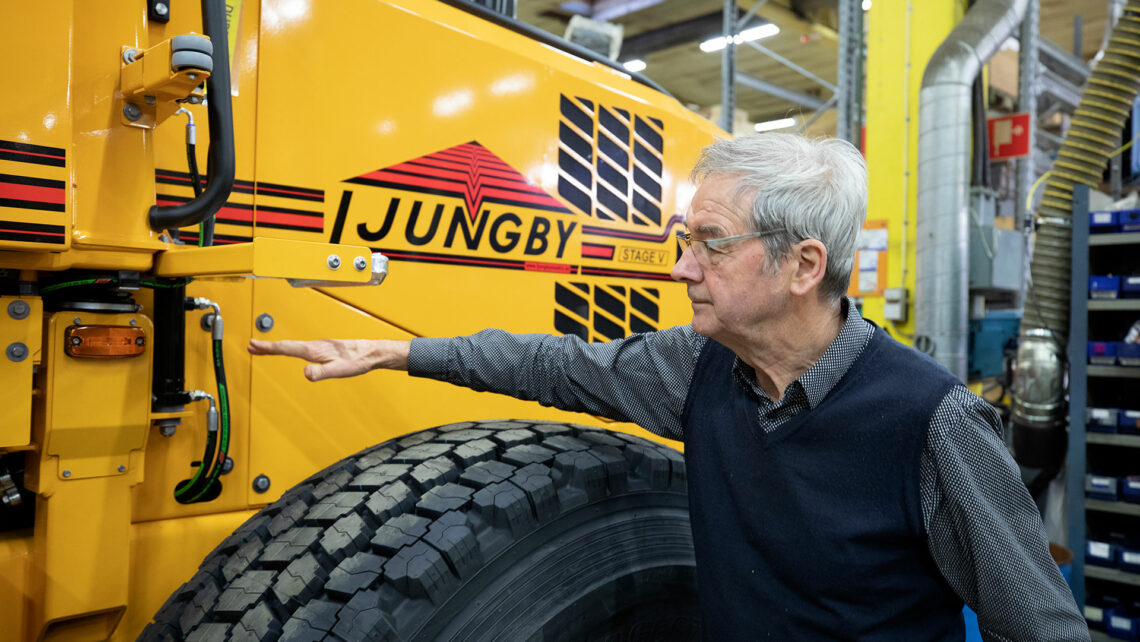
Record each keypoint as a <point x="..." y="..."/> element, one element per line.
<point x="1009" y="136"/>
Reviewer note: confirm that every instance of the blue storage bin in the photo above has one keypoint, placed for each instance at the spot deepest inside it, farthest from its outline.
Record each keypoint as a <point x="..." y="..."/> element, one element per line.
<point x="1103" y="222"/>
<point x="1102" y="419"/>
<point x="1128" y="354"/>
<point x="1096" y="615"/>
<point x="1100" y="553"/>
<point x="1121" y="624"/>
<point x="1102" y="487"/>
<point x="1104" y="287"/>
<point x="1130" y="287"/>
<point x="1128" y="421"/>
<point x="1129" y="558"/>
<point x="1128" y="220"/>
<point x="1102" y="353"/>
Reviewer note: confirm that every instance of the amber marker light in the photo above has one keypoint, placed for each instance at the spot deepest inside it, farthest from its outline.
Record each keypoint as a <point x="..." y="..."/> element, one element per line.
<point x="104" y="341"/>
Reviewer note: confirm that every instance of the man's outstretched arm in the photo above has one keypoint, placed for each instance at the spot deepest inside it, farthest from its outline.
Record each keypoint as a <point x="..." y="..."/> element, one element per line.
<point x="337" y="358"/>
<point x="643" y="378"/>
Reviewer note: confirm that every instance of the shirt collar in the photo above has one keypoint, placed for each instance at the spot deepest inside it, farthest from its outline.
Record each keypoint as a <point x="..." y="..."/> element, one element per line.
<point x="822" y="376"/>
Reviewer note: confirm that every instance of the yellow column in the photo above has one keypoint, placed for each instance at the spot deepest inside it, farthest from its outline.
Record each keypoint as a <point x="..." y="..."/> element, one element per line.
<point x="902" y="35"/>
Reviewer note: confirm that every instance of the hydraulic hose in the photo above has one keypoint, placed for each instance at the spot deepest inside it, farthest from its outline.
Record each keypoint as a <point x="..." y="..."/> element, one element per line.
<point x="1094" y="134"/>
<point x="200" y="486"/>
<point x="219" y="108"/>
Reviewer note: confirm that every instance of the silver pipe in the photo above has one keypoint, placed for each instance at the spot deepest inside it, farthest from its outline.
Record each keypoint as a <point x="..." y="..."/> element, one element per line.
<point x="941" y="277"/>
<point x="1115" y="10"/>
<point x="1027" y="103"/>
<point x="728" y="68"/>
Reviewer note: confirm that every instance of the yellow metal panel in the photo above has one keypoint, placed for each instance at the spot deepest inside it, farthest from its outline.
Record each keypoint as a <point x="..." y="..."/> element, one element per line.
<point x="97" y="409"/>
<point x="113" y="164"/>
<point x="16" y="376"/>
<point x="35" y="128"/>
<point x="298" y="427"/>
<point x="902" y="35"/>
<point x="15" y="577"/>
<point x="94" y="415"/>
<point x="268" y="257"/>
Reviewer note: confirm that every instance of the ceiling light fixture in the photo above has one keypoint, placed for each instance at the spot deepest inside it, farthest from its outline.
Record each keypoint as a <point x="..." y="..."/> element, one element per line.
<point x="866" y="5"/>
<point x="634" y="65"/>
<point x="771" y="125"/>
<point x="755" y="33"/>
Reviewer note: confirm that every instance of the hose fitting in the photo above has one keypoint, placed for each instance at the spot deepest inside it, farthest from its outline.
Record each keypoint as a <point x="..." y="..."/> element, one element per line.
<point x="211" y="413"/>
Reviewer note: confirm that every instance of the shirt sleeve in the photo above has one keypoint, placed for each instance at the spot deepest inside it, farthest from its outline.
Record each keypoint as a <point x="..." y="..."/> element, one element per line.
<point x="984" y="531"/>
<point x="643" y="378"/>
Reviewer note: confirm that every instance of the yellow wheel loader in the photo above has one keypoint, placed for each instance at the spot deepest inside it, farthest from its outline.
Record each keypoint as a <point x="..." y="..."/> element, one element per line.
<point x="177" y="178"/>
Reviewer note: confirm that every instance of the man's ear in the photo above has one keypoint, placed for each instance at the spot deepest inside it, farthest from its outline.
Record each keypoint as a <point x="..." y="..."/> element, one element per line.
<point x="810" y="265"/>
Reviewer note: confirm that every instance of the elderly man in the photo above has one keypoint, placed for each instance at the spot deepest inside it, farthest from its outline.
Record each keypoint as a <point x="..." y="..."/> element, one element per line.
<point x="841" y="485"/>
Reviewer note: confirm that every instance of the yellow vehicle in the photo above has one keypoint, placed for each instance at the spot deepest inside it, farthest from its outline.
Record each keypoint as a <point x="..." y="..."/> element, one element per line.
<point x="500" y="181"/>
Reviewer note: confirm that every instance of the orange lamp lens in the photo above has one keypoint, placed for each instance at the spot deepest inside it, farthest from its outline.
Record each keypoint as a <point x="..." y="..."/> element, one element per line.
<point x="104" y="341"/>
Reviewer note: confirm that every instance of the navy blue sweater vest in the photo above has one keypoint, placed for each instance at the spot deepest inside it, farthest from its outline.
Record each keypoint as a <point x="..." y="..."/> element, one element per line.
<point x="814" y="531"/>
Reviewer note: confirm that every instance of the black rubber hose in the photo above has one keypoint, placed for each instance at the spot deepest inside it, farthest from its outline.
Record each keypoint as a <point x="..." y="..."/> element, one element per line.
<point x="219" y="110"/>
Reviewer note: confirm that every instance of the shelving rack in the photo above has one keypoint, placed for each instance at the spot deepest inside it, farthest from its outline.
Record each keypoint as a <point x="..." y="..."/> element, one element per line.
<point x="1096" y="381"/>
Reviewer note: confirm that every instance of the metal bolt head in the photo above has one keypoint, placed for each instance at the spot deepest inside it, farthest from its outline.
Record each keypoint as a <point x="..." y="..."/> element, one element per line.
<point x="192" y="76"/>
<point x="161" y="9"/>
<point x="19" y="309"/>
<point x="140" y="341"/>
<point x="76" y="341"/>
<point x="260" y="484"/>
<point x="67" y="473"/>
<point x="17" y="352"/>
<point x="167" y="430"/>
<point x="334" y="261"/>
<point x="77" y="321"/>
<point x="129" y="55"/>
<point x="122" y="468"/>
<point x="264" y="322"/>
<point x="360" y="263"/>
<point x="227" y="465"/>
<point x="133" y="322"/>
<point x="132" y="112"/>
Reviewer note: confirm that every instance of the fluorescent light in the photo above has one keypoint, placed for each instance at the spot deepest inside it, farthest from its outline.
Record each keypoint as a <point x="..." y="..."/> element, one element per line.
<point x="771" y="125"/>
<point x="635" y="65"/>
<point x="755" y="33"/>
<point x="866" y="5"/>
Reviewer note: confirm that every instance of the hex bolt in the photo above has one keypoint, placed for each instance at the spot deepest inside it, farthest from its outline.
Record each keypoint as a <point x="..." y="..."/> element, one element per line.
<point x="260" y="484"/>
<point x="17" y="352"/>
<point x="161" y="9"/>
<point x="133" y="322"/>
<point x="150" y="100"/>
<point x="360" y="263"/>
<point x="122" y="468"/>
<point x="207" y="321"/>
<point x="129" y="55"/>
<point x="264" y="322"/>
<point x="67" y="473"/>
<point x="19" y="309"/>
<point x="132" y="112"/>
<point x="76" y="341"/>
<point x="227" y="465"/>
<point x="334" y="261"/>
<point x="167" y="430"/>
<point x="140" y="341"/>
<point x="77" y="321"/>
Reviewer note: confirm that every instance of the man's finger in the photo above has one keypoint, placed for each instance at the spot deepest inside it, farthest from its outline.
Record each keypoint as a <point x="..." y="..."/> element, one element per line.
<point x="300" y="349"/>
<point x="314" y="372"/>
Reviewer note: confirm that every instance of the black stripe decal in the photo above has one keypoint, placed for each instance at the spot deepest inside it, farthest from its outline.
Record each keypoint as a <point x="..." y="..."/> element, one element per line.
<point x="31" y="180"/>
<point x="611" y="175"/>
<point x="564" y="297"/>
<point x="32" y="232"/>
<point x="579" y="145"/>
<point x="609" y="303"/>
<point x="619" y="156"/>
<point x="648" y="134"/>
<point x="613" y="125"/>
<point x="577" y="197"/>
<point x="642" y="304"/>
<point x="32" y="149"/>
<point x="31" y="205"/>
<point x="626" y="274"/>
<point x="612" y="201"/>
<point x="607" y="328"/>
<point x="577" y="116"/>
<point x="25" y="158"/>
<point x="647" y="158"/>
<point x="647" y="183"/>
<point x="566" y="325"/>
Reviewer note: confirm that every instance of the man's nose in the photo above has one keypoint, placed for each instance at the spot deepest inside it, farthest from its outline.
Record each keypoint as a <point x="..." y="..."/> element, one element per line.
<point x="686" y="270"/>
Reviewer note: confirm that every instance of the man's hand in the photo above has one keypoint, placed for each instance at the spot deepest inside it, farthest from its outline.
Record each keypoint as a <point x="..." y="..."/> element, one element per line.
<point x="331" y="358"/>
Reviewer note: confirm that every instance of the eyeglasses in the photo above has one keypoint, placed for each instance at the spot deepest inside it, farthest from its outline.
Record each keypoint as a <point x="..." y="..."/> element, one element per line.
<point x="711" y="248"/>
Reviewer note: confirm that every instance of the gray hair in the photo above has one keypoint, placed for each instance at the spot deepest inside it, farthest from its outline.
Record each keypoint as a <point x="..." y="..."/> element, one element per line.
<point x="812" y="188"/>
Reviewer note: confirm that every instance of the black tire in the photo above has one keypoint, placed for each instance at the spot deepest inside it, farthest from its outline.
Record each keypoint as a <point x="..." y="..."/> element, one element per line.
<point x="505" y="530"/>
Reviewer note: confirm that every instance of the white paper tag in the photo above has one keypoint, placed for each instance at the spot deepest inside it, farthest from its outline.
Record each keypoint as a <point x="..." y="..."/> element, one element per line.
<point x="1094" y="613"/>
<point x="1102" y="218"/>
<point x="1133" y="485"/>
<point x="1132" y="280"/>
<point x="1101" y="415"/>
<point x="1100" y="549"/>
<point x="1102" y="482"/>
<point x="875" y="240"/>
<point x="1131" y="558"/>
<point x="1122" y="623"/>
